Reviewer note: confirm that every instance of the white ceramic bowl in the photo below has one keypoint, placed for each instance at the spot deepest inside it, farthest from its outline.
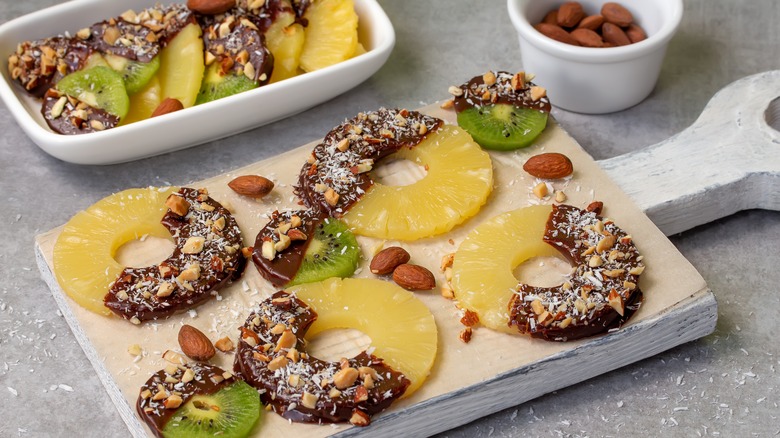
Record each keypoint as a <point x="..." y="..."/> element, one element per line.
<point x="190" y="126"/>
<point x="596" y="80"/>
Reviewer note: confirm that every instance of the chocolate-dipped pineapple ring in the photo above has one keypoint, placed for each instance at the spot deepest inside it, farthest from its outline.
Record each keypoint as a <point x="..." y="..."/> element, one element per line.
<point x="272" y="356"/>
<point x="336" y="175"/>
<point x="601" y="294"/>
<point x="207" y="257"/>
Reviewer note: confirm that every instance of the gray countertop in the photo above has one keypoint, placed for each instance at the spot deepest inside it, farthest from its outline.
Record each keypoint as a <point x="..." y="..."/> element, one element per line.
<point x="726" y="384"/>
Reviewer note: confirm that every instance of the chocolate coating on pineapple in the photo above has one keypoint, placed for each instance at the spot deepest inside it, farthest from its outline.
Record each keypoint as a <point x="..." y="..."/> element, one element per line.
<point x="271" y="356"/>
<point x="68" y="115"/>
<point x="236" y="45"/>
<point x="500" y="87"/>
<point x="297" y="226"/>
<point x="174" y="386"/>
<point x="139" y="36"/>
<point x="206" y="258"/>
<point x="337" y="173"/>
<point x="38" y="65"/>
<point x="601" y="294"/>
<point x="263" y="14"/>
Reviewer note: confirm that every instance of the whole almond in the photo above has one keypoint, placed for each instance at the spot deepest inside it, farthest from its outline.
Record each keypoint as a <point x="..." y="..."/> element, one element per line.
<point x="635" y="33"/>
<point x="587" y="37"/>
<point x="414" y="277"/>
<point x="555" y="32"/>
<point x="195" y="344"/>
<point x="551" y="17"/>
<point x="550" y="165"/>
<point x="592" y="22"/>
<point x="211" y="7"/>
<point x="569" y="14"/>
<point x="169" y="105"/>
<point x="254" y="186"/>
<point x="615" y="35"/>
<point x="616" y="14"/>
<point x="385" y="261"/>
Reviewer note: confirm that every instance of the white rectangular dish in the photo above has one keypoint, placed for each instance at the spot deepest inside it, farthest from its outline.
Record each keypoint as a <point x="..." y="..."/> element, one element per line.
<point x="194" y="125"/>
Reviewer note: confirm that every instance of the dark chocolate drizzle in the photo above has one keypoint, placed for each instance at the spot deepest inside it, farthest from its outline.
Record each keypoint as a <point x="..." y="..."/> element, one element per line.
<point x="134" y="293"/>
<point x="258" y="349"/>
<point x="580" y="307"/>
<point x="476" y="94"/>
<point x="207" y="379"/>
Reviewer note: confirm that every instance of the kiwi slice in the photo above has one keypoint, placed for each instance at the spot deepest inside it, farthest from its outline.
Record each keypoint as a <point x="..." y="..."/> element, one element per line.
<point x="136" y="74"/>
<point x="216" y="85"/>
<point x="231" y="412"/>
<point x="332" y="252"/>
<point x="503" y="127"/>
<point x="99" y="87"/>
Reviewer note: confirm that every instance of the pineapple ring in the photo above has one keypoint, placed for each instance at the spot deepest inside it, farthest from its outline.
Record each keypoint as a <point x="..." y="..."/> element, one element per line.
<point x="336" y="180"/>
<point x="271" y="355"/>
<point x="489" y="287"/>
<point x="207" y="253"/>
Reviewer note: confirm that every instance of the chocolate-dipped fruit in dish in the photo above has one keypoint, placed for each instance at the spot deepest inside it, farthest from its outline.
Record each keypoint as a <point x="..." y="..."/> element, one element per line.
<point x="236" y="58"/>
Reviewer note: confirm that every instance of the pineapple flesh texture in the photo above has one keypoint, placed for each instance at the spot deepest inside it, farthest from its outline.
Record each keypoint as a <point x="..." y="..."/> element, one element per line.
<point x="84" y="252"/>
<point x="144" y="102"/>
<point x="401" y="328"/>
<point x="482" y="273"/>
<point x="182" y="66"/>
<point x="285" y="39"/>
<point x="458" y="182"/>
<point x="331" y="36"/>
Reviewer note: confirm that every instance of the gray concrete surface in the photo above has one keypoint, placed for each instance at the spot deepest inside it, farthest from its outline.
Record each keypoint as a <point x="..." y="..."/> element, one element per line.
<point x="726" y="384"/>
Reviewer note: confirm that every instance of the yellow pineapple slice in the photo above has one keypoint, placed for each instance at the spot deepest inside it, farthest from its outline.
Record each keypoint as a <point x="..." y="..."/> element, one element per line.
<point x="182" y="67"/>
<point x="144" y="102"/>
<point x="458" y="182"/>
<point x="482" y="273"/>
<point x="401" y="328"/>
<point x="84" y="253"/>
<point x="331" y="35"/>
<point x="284" y="39"/>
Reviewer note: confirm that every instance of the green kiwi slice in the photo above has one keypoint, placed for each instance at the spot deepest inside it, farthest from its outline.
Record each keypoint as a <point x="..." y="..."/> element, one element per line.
<point x="136" y="74"/>
<point x="231" y="412"/>
<point x="503" y="127"/>
<point x="332" y="252"/>
<point x="99" y="87"/>
<point x="216" y="85"/>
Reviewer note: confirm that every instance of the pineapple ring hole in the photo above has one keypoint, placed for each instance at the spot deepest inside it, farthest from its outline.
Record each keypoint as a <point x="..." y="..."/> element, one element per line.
<point x="398" y="172"/>
<point x="145" y="251"/>
<point x="543" y="271"/>
<point x="332" y="344"/>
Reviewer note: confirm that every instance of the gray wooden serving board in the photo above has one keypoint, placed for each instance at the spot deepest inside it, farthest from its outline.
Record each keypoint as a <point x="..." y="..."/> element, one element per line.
<point x="690" y="179"/>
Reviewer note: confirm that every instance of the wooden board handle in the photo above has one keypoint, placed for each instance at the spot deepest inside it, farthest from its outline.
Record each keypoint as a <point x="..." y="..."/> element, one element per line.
<point x="727" y="161"/>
